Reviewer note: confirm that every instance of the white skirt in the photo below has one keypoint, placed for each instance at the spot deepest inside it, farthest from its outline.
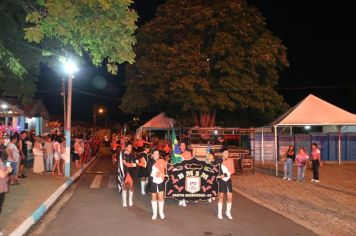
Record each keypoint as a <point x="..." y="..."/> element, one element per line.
<point x="56" y="156"/>
<point x="38" y="165"/>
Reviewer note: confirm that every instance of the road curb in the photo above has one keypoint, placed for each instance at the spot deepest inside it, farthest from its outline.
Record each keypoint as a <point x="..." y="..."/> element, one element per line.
<point x="299" y="221"/>
<point x="43" y="208"/>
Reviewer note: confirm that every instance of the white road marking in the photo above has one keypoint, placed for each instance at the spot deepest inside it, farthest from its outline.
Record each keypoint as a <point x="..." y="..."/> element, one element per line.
<point x="96" y="181"/>
<point x="112" y="182"/>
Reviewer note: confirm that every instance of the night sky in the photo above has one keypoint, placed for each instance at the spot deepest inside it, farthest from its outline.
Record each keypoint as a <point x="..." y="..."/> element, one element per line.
<point x="320" y="41"/>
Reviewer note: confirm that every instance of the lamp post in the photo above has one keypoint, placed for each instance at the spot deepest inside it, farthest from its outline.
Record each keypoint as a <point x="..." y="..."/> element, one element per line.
<point x="70" y="68"/>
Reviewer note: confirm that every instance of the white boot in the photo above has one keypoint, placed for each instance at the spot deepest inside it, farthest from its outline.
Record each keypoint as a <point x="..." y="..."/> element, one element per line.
<point x="143" y="186"/>
<point x="130" y="198"/>
<point x="161" y="206"/>
<point x="154" y="210"/>
<point x="228" y="210"/>
<point x="220" y="205"/>
<point x="124" y="195"/>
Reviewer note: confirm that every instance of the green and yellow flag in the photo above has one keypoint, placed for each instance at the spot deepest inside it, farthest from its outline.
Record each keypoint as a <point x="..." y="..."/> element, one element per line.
<point x="176" y="153"/>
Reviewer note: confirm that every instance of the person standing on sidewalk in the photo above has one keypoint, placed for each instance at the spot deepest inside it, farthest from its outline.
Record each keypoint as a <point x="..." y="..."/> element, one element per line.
<point x="227" y="169"/>
<point x="49" y="150"/>
<point x="301" y="159"/>
<point x="316" y="162"/>
<point x="3" y="154"/>
<point x="157" y="169"/>
<point x="38" y="166"/>
<point x="4" y="172"/>
<point x="57" y="155"/>
<point x="23" y="153"/>
<point x="78" y="150"/>
<point x="288" y="164"/>
<point x="13" y="156"/>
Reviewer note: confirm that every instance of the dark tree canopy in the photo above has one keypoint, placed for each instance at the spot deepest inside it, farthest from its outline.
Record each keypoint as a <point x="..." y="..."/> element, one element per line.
<point x="19" y="61"/>
<point x="99" y="29"/>
<point x="205" y="55"/>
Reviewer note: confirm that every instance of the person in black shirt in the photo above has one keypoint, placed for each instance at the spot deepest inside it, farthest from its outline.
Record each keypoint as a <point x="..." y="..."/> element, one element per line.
<point x="142" y="169"/>
<point x="23" y="152"/>
<point x="3" y="154"/>
<point x="130" y="163"/>
<point x="288" y="164"/>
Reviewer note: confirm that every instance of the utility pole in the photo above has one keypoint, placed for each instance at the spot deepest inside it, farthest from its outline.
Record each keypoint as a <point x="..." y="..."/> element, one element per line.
<point x="64" y="102"/>
<point x="68" y="127"/>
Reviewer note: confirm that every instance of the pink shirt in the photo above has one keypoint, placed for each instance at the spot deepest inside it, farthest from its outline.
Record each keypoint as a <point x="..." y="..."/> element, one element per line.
<point x="301" y="159"/>
<point x="315" y="153"/>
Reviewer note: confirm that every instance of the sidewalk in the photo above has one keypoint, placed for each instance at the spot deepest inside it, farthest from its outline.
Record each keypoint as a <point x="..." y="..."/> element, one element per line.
<point x="328" y="207"/>
<point x="22" y="200"/>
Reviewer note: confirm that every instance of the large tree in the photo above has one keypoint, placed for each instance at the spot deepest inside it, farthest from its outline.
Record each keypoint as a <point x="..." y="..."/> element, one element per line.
<point x="204" y="56"/>
<point x="19" y="61"/>
<point x="98" y="29"/>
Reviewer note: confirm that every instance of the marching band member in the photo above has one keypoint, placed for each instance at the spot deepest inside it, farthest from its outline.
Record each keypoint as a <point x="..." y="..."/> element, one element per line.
<point x="157" y="169"/>
<point x="210" y="159"/>
<point x="130" y="163"/>
<point x="225" y="184"/>
<point x="114" y="147"/>
<point x="186" y="155"/>
<point x="142" y="170"/>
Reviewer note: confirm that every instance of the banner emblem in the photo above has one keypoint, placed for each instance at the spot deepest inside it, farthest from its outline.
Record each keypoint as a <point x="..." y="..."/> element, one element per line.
<point x="192" y="184"/>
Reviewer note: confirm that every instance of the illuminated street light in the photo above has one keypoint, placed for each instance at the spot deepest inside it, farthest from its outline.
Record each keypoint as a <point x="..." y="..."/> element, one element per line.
<point x="102" y="111"/>
<point x="70" y="67"/>
<point x="4" y="106"/>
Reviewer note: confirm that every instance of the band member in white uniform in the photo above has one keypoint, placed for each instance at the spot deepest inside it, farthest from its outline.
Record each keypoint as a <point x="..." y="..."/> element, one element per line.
<point x="142" y="169"/>
<point x="157" y="170"/>
<point x="225" y="184"/>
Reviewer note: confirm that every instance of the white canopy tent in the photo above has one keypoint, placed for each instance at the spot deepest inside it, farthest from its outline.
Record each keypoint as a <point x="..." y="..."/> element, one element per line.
<point x="159" y="122"/>
<point x="313" y="111"/>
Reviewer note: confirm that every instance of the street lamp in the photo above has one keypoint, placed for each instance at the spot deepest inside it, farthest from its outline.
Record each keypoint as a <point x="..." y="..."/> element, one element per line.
<point x="102" y="111"/>
<point x="70" y="68"/>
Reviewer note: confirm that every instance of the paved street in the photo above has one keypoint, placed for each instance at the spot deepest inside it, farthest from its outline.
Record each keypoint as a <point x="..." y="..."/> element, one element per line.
<point x="92" y="207"/>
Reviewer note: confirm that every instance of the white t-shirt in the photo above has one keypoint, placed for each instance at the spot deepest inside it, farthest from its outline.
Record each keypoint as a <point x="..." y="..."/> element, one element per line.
<point x="156" y="180"/>
<point x="11" y="148"/>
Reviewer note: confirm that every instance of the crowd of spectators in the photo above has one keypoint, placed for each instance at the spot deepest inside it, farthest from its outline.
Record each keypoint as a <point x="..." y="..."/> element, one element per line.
<point x="23" y="151"/>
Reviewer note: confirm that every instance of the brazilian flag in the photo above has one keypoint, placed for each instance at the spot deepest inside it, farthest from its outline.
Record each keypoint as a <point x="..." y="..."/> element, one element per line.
<point x="176" y="153"/>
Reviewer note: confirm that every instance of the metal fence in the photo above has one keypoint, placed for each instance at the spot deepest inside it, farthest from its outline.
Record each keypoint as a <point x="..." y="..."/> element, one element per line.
<point x="327" y="143"/>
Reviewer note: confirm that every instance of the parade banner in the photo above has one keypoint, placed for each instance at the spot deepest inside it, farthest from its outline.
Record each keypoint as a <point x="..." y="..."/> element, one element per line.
<point x="192" y="180"/>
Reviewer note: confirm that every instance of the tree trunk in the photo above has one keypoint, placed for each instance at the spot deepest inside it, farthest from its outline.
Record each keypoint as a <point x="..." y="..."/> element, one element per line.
<point x="204" y="119"/>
